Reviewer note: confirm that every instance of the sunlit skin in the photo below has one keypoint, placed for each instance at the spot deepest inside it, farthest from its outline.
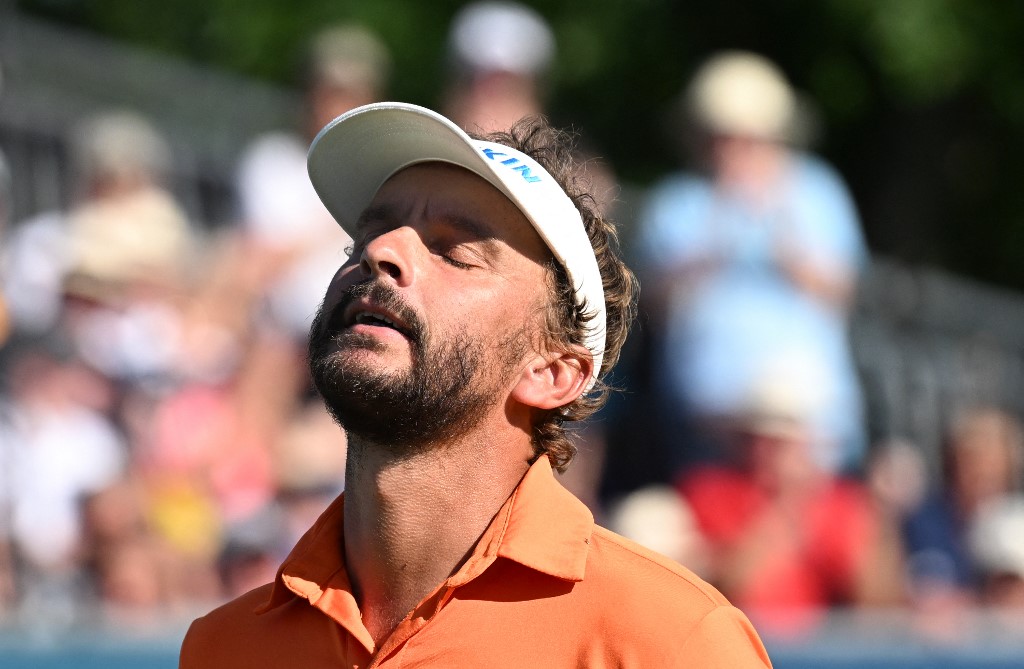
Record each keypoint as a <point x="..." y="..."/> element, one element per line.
<point x="435" y="225"/>
<point x="465" y="260"/>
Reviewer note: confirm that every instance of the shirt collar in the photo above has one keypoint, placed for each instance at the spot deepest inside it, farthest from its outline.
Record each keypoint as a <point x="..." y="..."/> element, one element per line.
<point x="541" y="526"/>
<point x="545" y="527"/>
<point x="316" y="558"/>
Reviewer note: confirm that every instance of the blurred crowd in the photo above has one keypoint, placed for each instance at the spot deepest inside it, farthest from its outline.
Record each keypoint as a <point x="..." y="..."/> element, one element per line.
<point x="161" y="448"/>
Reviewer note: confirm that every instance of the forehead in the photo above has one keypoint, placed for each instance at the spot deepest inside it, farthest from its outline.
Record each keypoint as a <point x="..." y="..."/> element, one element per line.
<point x="437" y="190"/>
<point x="444" y="180"/>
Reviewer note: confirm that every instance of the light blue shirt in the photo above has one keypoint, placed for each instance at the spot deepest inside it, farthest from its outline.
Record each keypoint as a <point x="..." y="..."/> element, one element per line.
<point x="746" y="322"/>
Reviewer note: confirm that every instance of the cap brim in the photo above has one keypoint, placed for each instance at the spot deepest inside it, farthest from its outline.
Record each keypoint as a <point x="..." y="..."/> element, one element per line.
<point x="354" y="155"/>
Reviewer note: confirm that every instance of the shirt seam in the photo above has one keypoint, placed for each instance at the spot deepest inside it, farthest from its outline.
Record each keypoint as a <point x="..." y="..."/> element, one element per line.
<point x="608" y="534"/>
<point x="697" y="625"/>
<point x="504" y="526"/>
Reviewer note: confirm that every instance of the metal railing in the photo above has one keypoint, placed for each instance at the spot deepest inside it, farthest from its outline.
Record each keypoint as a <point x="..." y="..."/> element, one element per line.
<point x="54" y="76"/>
<point x="930" y="344"/>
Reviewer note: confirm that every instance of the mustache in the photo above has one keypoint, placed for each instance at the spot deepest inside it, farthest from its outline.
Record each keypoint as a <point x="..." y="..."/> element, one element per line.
<point x="380" y="295"/>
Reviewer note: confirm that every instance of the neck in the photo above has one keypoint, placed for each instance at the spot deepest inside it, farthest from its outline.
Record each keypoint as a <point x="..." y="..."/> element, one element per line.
<point x="412" y="520"/>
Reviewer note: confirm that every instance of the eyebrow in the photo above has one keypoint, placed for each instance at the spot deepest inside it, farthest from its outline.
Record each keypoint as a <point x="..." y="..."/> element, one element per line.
<point x="384" y="212"/>
<point x="374" y="214"/>
<point x="470" y="225"/>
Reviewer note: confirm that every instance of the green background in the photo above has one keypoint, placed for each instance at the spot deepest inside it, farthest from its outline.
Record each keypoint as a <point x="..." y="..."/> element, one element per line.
<point x="921" y="101"/>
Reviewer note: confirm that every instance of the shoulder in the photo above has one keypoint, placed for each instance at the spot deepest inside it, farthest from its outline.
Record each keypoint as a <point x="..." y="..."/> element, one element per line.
<point x="649" y="577"/>
<point x="816" y="169"/>
<point x="654" y="603"/>
<point x="271" y="147"/>
<point x="673" y="217"/>
<point x="680" y="182"/>
<point x="821" y="183"/>
<point x="263" y="628"/>
<point x="217" y="639"/>
<point x="681" y="190"/>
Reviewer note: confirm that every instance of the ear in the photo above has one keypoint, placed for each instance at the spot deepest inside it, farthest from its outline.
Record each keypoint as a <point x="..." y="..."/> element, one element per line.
<point x="554" y="378"/>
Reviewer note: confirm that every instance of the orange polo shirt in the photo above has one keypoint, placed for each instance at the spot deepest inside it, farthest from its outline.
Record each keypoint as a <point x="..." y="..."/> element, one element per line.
<point x="544" y="587"/>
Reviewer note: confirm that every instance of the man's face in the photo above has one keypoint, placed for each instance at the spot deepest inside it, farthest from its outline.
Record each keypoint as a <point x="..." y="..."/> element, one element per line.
<point x="427" y="325"/>
<point x="748" y="166"/>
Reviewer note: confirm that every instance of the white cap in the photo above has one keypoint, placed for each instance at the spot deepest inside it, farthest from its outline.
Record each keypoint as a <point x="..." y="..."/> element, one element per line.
<point x="996" y="535"/>
<point x="352" y="157"/>
<point x="741" y="93"/>
<point x="503" y="37"/>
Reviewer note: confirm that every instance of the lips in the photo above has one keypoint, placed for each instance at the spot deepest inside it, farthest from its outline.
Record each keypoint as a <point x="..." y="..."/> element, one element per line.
<point x="375" y="304"/>
<point x="362" y="313"/>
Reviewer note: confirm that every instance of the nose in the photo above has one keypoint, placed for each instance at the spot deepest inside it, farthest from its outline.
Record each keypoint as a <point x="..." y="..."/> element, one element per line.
<point x="393" y="254"/>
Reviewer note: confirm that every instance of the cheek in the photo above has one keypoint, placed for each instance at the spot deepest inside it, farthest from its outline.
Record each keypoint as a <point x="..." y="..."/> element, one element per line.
<point x="523" y="317"/>
<point x="487" y="312"/>
<point x="343" y="279"/>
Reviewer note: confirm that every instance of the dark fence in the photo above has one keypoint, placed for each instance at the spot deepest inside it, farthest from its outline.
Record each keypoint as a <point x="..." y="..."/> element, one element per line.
<point x="929" y="344"/>
<point x="53" y="77"/>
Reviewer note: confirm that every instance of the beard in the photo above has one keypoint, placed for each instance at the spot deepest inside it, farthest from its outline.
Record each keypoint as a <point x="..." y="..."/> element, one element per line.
<point x="444" y="392"/>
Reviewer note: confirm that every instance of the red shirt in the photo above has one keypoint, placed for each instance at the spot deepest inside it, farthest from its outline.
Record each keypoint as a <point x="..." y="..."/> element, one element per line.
<point x="828" y="537"/>
<point x="544" y="587"/>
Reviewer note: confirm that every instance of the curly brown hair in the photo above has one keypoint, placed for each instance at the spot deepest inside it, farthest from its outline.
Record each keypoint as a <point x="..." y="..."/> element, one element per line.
<point x="567" y="321"/>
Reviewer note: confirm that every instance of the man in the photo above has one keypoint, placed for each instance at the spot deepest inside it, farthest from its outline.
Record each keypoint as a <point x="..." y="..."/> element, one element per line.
<point x="480" y="306"/>
<point x="752" y="261"/>
<point x="288" y="240"/>
<point x="499" y="57"/>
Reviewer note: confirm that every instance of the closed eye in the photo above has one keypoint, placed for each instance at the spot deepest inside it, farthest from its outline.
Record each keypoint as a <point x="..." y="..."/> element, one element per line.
<point x="462" y="254"/>
<point x="455" y="263"/>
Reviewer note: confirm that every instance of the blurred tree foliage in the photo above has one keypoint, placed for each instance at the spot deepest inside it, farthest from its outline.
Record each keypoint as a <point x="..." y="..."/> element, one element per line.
<point x="921" y="101"/>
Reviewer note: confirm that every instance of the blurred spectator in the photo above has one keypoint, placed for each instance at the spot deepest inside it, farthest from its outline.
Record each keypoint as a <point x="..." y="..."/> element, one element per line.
<point x="996" y="539"/>
<point x="5" y="180"/>
<point x="127" y="233"/>
<point x="208" y="456"/>
<point x="129" y="567"/>
<point x="34" y="259"/>
<point x="786" y="538"/>
<point x="96" y="296"/>
<point x="5" y="208"/>
<point x="292" y="246"/>
<point x="309" y="470"/>
<point x="982" y="467"/>
<point x="499" y="54"/>
<point x="110" y="270"/>
<point x="57" y="445"/>
<point x="897" y="478"/>
<point x="749" y="268"/>
<point x="659" y="518"/>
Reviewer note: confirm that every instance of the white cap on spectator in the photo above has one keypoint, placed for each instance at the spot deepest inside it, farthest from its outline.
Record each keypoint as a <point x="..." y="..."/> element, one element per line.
<point x="120" y="144"/>
<point x="503" y="37"/>
<point x="741" y="93"/>
<point x="996" y="536"/>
